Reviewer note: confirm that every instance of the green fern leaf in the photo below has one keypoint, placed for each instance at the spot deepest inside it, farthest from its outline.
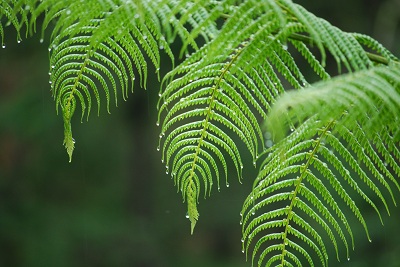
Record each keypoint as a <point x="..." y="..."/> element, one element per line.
<point x="99" y="45"/>
<point x="341" y="123"/>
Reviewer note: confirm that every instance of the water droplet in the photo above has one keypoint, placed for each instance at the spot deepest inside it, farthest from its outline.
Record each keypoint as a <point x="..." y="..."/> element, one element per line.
<point x="269" y="143"/>
<point x="50" y="82"/>
<point x="166" y="172"/>
<point x="242" y="240"/>
<point x="227" y="185"/>
<point x="242" y="250"/>
<point x="253" y="212"/>
<point x="49" y="73"/>
<point x="241" y="166"/>
<point x="187" y="216"/>
<point x="73" y="140"/>
<point x="160" y="136"/>
<point x="41" y="40"/>
<point x="68" y="12"/>
<point x="158" y="123"/>
<point x="348" y="258"/>
<point x="158" y="148"/>
<point x="159" y="94"/>
<point x="3" y="46"/>
<point x="49" y="49"/>
<point x="370" y="240"/>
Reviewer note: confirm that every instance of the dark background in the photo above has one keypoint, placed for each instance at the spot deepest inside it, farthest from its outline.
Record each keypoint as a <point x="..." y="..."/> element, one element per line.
<point x="114" y="205"/>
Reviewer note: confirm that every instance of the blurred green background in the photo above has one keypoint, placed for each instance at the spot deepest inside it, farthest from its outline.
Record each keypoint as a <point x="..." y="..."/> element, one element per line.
<point x="114" y="205"/>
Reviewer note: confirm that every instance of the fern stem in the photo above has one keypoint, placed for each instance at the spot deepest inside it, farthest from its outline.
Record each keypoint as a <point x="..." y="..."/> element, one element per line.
<point x="299" y="180"/>
<point x="193" y="213"/>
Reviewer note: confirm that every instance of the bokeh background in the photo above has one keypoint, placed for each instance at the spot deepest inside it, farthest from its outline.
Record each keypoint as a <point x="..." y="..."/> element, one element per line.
<point x="114" y="205"/>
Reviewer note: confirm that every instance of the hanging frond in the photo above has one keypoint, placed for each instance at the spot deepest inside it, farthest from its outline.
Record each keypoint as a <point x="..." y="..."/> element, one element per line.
<point x="345" y="147"/>
<point x="99" y="48"/>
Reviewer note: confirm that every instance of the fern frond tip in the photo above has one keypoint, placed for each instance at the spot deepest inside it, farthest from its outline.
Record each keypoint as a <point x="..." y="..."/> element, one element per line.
<point x="69" y="143"/>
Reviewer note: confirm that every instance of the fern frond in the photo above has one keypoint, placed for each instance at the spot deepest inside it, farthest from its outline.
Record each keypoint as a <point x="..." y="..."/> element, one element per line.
<point x="370" y="97"/>
<point x="99" y="44"/>
<point x="345" y="145"/>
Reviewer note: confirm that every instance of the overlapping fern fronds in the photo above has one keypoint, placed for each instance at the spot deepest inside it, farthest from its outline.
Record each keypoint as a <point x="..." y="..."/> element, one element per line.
<point x="231" y="82"/>
<point x="105" y="44"/>
<point x="240" y="57"/>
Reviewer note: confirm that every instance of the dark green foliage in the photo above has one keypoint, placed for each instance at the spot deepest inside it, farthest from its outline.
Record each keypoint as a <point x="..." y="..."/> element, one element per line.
<point x="241" y="57"/>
